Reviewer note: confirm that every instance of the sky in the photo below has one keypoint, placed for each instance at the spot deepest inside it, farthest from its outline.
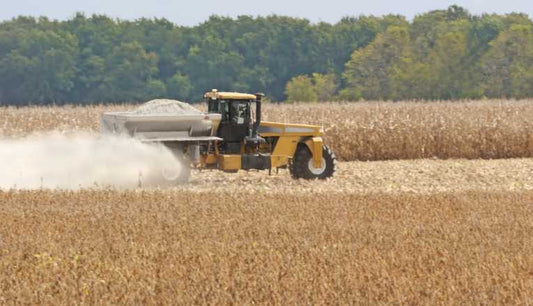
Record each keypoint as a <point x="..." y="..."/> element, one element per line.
<point x="193" y="12"/>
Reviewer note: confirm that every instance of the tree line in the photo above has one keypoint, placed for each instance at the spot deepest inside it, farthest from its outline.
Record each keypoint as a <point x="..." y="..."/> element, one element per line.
<point x="442" y="54"/>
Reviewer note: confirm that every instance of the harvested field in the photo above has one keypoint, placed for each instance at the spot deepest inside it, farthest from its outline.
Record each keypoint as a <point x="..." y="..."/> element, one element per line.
<point x="426" y="231"/>
<point x="423" y="231"/>
<point x="230" y="247"/>
<point x="411" y="176"/>
<point x="357" y="131"/>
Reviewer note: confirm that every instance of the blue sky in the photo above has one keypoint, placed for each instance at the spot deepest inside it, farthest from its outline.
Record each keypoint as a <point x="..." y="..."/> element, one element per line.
<point x="192" y="12"/>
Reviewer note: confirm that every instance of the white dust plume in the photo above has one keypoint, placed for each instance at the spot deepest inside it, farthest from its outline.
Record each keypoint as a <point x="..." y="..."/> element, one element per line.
<point x="56" y="161"/>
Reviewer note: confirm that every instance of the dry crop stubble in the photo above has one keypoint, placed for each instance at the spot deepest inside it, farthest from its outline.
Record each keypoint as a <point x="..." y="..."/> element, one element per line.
<point x="427" y="231"/>
<point x="414" y="176"/>
<point x="104" y="246"/>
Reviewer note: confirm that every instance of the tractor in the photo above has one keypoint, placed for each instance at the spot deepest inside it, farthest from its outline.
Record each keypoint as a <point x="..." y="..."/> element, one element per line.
<point x="230" y="136"/>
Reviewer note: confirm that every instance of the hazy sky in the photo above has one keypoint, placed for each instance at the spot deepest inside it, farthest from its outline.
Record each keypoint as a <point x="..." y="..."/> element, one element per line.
<point x="192" y="12"/>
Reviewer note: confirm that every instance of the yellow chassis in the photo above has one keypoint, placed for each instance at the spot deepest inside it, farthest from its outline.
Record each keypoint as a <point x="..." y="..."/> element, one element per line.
<point x="289" y="136"/>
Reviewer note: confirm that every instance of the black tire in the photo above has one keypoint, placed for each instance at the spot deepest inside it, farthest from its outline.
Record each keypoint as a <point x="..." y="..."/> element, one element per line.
<point x="301" y="166"/>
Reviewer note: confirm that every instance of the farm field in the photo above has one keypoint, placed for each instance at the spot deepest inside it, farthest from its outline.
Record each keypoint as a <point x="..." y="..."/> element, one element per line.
<point x="357" y="131"/>
<point x="177" y="246"/>
<point x="395" y="225"/>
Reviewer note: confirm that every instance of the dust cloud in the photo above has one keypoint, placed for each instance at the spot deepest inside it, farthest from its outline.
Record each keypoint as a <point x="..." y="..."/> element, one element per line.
<point x="74" y="161"/>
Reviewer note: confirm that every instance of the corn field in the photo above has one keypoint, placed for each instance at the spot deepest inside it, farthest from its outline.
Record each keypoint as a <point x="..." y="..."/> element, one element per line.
<point x="356" y="131"/>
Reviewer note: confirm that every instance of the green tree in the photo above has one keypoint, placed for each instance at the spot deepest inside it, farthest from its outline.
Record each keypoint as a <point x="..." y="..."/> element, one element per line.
<point x="133" y="73"/>
<point x="448" y="59"/>
<point x="301" y="89"/>
<point x="412" y="79"/>
<point x="318" y="87"/>
<point x="441" y="54"/>
<point x="179" y="87"/>
<point x="36" y="66"/>
<point x="325" y="86"/>
<point x="507" y="67"/>
<point x="367" y="74"/>
<point x="155" y="89"/>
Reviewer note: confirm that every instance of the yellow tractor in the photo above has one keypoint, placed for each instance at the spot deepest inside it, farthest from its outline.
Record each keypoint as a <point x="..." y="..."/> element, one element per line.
<point x="230" y="137"/>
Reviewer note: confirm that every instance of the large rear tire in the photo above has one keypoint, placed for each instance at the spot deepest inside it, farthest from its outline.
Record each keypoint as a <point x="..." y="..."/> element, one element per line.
<point x="302" y="165"/>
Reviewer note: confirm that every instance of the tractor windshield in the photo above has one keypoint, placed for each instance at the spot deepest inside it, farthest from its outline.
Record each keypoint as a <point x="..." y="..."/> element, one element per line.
<point x="240" y="112"/>
<point x="232" y="111"/>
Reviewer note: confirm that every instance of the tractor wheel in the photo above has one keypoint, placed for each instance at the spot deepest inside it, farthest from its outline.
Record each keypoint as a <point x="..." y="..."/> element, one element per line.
<point x="171" y="174"/>
<point x="175" y="175"/>
<point x="302" y="164"/>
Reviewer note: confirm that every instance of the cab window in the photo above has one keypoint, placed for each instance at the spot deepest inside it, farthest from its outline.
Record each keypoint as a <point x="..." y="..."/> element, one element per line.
<point x="224" y="110"/>
<point x="240" y="112"/>
<point x="213" y="106"/>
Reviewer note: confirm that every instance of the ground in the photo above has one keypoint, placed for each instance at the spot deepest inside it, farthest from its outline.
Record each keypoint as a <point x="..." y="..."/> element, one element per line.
<point x="424" y="231"/>
<point x="412" y="231"/>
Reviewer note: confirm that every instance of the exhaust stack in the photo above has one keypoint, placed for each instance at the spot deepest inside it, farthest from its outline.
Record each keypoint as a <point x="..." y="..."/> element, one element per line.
<point x="257" y="122"/>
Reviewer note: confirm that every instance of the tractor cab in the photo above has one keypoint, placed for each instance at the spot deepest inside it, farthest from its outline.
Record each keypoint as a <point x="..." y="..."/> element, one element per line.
<point x="237" y="125"/>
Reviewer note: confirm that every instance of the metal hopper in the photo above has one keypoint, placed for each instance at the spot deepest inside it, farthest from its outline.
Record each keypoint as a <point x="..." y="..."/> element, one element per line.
<point x="162" y="120"/>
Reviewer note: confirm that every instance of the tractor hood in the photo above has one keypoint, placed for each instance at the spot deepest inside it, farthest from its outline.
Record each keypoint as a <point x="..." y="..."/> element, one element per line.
<point x="267" y="129"/>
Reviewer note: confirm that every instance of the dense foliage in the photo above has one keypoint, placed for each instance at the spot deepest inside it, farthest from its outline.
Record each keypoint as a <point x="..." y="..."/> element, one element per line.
<point x="444" y="54"/>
